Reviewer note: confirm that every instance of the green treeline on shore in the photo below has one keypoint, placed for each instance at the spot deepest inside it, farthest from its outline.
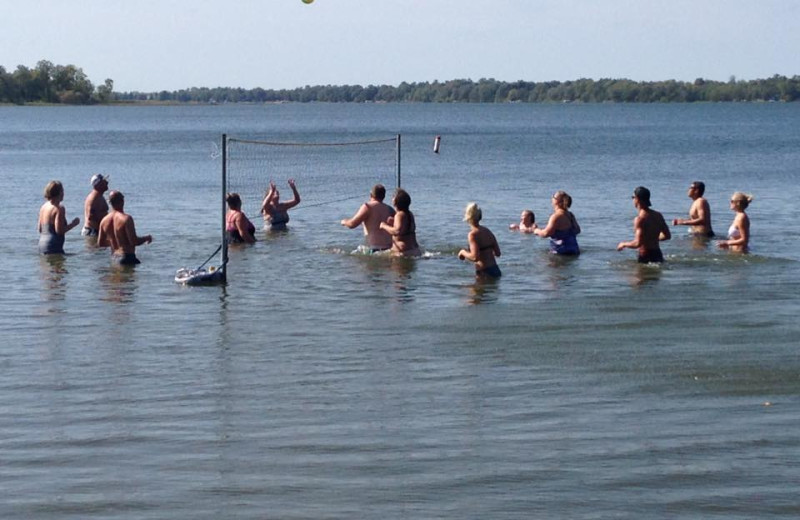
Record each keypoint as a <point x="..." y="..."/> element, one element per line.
<point x="48" y="83"/>
<point x="776" y="88"/>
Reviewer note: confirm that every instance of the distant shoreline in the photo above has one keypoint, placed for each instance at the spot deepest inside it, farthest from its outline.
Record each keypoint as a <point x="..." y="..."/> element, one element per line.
<point x="48" y="84"/>
<point x="156" y="103"/>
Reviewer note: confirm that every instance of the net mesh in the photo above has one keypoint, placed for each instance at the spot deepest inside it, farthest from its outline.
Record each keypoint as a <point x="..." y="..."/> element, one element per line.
<point x="325" y="173"/>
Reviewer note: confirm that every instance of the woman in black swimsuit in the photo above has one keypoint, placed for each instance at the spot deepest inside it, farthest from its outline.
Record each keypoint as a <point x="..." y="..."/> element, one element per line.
<point x="402" y="226"/>
<point x="238" y="227"/>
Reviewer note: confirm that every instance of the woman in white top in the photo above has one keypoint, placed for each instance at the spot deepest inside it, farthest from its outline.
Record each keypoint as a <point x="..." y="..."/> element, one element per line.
<point x="739" y="232"/>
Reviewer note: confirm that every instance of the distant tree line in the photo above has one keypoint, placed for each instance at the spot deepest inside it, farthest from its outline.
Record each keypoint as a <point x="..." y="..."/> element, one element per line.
<point x="49" y="83"/>
<point x="776" y="88"/>
<point x="68" y="84"/>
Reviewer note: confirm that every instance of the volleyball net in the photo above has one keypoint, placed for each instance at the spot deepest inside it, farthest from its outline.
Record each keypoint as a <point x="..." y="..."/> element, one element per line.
<point x="325" y="173"/>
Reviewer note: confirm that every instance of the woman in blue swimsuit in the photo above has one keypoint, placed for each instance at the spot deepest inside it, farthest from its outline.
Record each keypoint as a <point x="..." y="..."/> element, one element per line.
<point x="562" y="227"/>
<point x="53" y="220"/>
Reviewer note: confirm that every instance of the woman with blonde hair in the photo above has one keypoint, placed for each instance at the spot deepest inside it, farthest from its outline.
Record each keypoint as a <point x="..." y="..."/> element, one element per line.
<point x="53" y="220"/>
<point x="483" y="247"/>
<point x="739" y="232"/>
<point x="562" y="227"/>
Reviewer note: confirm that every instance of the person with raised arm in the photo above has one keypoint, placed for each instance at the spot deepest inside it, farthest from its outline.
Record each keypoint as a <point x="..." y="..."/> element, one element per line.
<point x="370" y="215"/>
<point x="52" y="225"/>
<point x="483" y="247"/>
<point x="649" y="228"/>
<point x="275" y="212"/>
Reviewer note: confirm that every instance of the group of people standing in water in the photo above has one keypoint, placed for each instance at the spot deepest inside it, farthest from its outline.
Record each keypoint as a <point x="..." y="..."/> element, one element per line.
<point x="392" y="228"/>
<point x="649" y="226"/>
<point x="114" y="228"/>
<point x="386" y="228"/>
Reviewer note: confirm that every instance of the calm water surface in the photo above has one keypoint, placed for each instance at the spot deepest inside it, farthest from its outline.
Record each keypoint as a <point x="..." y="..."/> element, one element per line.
<point x="324" y="384"/>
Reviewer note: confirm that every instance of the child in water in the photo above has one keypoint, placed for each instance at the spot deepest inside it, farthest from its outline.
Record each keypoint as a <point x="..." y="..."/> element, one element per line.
<point x="527" y="222"/>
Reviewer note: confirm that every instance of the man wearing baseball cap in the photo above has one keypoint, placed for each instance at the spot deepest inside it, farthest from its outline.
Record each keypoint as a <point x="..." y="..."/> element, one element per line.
<point x="95" y="208"/>
<point x="649" y="228"/>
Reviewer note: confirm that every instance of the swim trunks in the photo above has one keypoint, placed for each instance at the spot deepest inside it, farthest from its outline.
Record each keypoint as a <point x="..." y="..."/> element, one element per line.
<point x="373" y="249"/>
<point x="489" y="272"/>
<point x="88" y="232"/>
<point x="652" y="256"/>
<point x="125" y="259"/>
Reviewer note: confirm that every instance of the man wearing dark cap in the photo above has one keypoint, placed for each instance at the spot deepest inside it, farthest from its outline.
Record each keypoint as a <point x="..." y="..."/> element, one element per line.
<point x="649" y="228"/>
<point x="699" y="212"/>
<point x="95" y="208"/>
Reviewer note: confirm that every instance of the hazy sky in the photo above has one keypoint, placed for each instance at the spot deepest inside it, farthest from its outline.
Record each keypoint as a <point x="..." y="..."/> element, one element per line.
<point x="150" y="45"/>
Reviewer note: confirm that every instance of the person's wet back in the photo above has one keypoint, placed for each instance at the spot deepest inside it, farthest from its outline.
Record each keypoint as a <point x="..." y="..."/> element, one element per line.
<point x="649" y="229"/>
<point x="118" y="231"/>
<point x="370" y="215"/>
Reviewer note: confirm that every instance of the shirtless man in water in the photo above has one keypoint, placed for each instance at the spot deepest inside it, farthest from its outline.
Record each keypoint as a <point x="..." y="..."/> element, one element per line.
<point x="649" y="228"/>
<point x="95" y="208"/>
<point x="371" y="214"/>
<point x="118" y="231"/>
<point x="699" y="212"/>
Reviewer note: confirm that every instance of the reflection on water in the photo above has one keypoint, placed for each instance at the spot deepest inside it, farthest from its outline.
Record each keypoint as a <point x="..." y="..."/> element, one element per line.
<point x="53" y="270"/>
<point x="119" y="283"/>
<point x="700" y="242"/>
<point x="645" y="274"/>
<point x="397" y="270"/>
<point x="560" y="269"/>
<point x="483" y="290"/>
<point x="403" y="268"/>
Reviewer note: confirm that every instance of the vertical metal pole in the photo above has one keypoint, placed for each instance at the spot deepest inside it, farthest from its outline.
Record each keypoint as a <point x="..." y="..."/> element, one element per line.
<point x="398" y="160"/>
<point x="224" y="187"/>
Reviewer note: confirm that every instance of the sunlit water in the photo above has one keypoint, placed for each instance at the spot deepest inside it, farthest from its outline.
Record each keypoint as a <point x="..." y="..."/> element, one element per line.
<point x="324" y="384"/>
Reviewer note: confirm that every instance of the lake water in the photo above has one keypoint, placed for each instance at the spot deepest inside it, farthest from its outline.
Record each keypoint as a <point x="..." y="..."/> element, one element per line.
<point x="323" y="384"/>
